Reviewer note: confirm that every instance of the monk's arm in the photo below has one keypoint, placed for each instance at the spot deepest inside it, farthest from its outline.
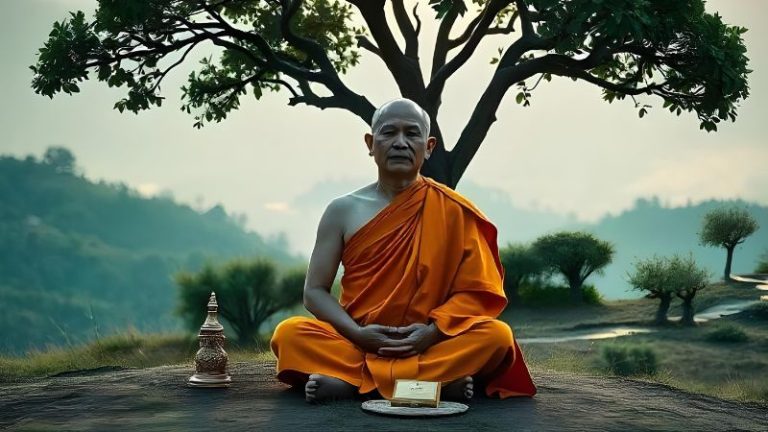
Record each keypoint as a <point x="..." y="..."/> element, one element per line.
<point x="323" y="265"/>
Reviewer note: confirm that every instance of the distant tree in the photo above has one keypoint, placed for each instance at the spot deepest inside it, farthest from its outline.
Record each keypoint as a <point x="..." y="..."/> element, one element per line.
<point x="762" y="264"/>
<point x="727" y="227"/>
<point x="687" y="279"/>
<point x="247" y="292"/>
<point x="520" y="264"/>
<point x="652" y="276"/>
<point x="60" y="159"/>
<point x="575" y="255"/>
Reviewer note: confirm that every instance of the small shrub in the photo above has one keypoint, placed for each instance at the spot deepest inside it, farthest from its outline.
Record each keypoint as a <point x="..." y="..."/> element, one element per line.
<point x="762" y="264"/>
<point x="547" y="294"/>
<point x="726" y="332"/>
<point x="628" y="360"/>
<point x="758" y="311"/>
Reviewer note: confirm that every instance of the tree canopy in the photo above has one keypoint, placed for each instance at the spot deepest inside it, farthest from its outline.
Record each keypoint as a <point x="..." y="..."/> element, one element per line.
<point x="248" y="293"/>
<point x="575" y="255"/>
<point x="674" y="50"/>
<point x="727" y="227"/>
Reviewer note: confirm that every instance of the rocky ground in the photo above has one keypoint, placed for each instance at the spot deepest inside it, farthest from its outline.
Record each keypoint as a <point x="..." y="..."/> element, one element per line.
<point x="158" y="399"/>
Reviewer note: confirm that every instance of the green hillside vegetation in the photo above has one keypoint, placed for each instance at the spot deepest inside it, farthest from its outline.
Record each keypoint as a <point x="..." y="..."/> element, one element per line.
<point x="82" y="259"/>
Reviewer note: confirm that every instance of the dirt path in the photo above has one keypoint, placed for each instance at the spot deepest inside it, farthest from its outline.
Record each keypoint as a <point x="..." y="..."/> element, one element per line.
<point x="156" y="399"/>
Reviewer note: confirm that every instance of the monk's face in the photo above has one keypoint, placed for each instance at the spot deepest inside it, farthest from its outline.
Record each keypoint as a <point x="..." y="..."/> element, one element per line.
<point x="398" y="141"/>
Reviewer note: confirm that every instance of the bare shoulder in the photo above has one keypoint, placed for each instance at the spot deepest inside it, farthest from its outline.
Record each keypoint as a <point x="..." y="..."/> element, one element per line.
<point x="340" y="207"/>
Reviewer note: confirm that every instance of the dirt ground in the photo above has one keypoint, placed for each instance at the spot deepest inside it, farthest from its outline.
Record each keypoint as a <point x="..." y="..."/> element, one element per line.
<point x="157" y="399"/>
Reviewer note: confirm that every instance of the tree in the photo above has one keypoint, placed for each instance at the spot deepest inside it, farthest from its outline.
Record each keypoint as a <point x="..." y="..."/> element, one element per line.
<point x="520" y="264"/>
<point x="60" y="159"/>
<point x="653" y="276"/>
<point x="575" y="255"/>
<point x="247" y="292"/>
<point x="727" y="227"/>
<point x="687" y="280"/>
<point x="671" y="49"/>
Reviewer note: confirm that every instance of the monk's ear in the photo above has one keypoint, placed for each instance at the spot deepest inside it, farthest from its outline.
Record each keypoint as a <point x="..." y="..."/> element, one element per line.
<point x="368" y="141"/>
<point x="431" y="144"/>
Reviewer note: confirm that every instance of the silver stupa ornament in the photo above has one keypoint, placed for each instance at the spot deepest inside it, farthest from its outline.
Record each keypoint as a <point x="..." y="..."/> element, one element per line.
<point x="211" y="359"/>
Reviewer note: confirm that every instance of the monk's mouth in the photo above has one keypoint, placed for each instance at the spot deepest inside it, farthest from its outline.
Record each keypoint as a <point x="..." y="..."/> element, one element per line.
<point x="404" y="158"/>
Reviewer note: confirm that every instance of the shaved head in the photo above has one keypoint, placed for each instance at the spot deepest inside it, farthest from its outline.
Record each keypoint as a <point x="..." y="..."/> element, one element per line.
<point x="401" y="108"/>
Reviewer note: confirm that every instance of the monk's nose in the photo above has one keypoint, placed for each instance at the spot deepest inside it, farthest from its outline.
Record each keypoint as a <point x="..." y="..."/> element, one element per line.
<point x="400" y="142"/>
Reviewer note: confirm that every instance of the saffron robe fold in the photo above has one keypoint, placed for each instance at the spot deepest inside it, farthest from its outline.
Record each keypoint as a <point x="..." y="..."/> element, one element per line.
<point x="430" y="255"/>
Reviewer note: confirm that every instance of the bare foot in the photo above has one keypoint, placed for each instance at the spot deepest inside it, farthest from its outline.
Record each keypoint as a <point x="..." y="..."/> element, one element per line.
<point x="460" y="390"/>
<point x="320" y="388"/>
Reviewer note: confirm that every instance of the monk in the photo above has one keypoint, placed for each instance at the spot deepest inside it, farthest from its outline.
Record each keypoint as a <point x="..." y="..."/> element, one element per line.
<point x="421" y="288"/>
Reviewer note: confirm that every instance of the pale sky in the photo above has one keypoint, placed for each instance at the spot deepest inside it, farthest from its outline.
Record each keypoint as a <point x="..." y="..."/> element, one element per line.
<point x="569" y="152"/>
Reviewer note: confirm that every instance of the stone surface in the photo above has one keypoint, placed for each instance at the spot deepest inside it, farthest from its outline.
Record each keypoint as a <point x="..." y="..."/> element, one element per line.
<point x="158" y="399"/>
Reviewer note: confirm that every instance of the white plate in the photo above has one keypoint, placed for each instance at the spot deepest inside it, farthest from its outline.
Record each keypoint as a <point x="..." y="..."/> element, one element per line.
<point x="381" y="406"/>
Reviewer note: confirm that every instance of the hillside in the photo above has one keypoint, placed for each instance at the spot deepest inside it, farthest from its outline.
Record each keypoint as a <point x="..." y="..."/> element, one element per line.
<point x="82" y="259"/>
<point x="648" y="228"/>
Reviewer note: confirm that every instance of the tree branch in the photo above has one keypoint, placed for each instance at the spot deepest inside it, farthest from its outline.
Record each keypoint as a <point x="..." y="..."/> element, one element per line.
<point x="405" y="70"/>
<point x="436" y="86"/>
<point x="406" y="29"/>
<point x="442" y="41"/>
<point x="484" y="114"/>
<point x="453" y="43"/>
<point x="525" y="18"/>
<point x="346" y="98"/>
<point x="366" y="44"/>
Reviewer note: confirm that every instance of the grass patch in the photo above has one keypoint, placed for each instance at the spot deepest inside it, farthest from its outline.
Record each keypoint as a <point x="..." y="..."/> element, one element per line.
<point x="128" y="350"/>
<point x="758" y="311"/>
<point x="630" y="360"/>
<point x="726" y="332"/>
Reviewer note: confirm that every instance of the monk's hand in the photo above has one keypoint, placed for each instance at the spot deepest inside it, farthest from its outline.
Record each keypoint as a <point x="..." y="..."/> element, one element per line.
<point x="418" y="337"/>
<point x="372" y="337"/>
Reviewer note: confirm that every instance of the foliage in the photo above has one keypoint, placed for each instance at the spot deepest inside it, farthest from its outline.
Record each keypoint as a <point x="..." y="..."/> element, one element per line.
<point x="727" y="227"/>
<point x="758" y="311"/>
<point x="538" y="294"/>
<point x="521" y="264"/>
<point x="247" y="293"/>
<point x="653" y="276"/>
<point x="627" y="360"/>
<point x="575" y="255"/>
<point x="656" y="277"/>
<point x="726" y="332"/>
<point x="762" y="264"/>
<point x="676" y="51"/>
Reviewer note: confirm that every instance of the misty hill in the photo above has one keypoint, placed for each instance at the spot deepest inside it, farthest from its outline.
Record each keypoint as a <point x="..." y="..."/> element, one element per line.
<point x="649" y="228"/>
<point x="639" y="232"/>
<point x="82" y="259"/>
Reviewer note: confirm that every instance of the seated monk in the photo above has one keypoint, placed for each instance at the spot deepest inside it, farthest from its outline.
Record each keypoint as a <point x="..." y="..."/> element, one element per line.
<point x="421" y="288"/>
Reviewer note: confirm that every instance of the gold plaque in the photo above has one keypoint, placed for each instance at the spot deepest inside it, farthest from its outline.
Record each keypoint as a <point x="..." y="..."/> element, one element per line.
<point x="412" y="393"/>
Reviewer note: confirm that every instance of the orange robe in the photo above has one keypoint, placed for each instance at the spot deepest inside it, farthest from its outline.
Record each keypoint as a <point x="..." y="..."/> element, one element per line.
<point x="430" y="255"/>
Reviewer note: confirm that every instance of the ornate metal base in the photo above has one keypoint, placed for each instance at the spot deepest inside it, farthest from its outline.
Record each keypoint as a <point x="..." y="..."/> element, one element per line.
<point x="209" y="380"/>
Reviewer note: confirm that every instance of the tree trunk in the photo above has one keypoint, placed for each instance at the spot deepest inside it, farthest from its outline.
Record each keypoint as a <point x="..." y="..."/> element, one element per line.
<point x="512" y="289"/>
<point x="661" y="313"/>
<point x="728" y="260"/>
<point x="576" y="297"/>
<point x="688" y="313"/>
<point x="438" y="166"/>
